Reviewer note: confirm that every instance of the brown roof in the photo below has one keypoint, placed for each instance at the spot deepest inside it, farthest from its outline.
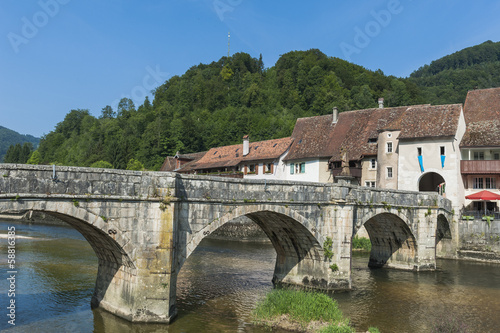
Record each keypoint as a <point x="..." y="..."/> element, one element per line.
<point x="187" y="160"/>
<point x="354" y="128"/>
<point x="482" y="117"/>
<point x="311" y="138"/>
<point x="169" y="164"/>
<point x="229" y="156"/>
<point x="426" y="121"/>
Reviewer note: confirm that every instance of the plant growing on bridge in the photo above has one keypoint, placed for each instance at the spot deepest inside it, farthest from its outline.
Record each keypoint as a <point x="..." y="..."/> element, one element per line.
<point x="76" y="203"/>
<point x="334" y="267"/>
<point x="327" y="248"/>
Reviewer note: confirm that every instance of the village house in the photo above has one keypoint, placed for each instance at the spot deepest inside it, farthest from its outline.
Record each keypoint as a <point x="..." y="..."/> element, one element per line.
<point x="255" y="160"/>
<point x="480" y="150"/>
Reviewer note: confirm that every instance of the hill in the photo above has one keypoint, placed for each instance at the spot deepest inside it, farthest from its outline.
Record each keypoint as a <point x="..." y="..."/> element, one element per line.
<point x="9" y="137"/>
<point x="447" y="80"/>
<point x="216" y="104"/>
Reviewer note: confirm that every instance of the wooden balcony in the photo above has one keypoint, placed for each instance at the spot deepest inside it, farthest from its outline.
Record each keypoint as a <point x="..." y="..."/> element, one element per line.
<point x="355" y="172"/>
<point x="481" y="167"/>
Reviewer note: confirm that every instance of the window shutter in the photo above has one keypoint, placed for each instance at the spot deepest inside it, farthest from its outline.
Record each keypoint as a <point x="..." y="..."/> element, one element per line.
<point x="302" y="168"/>
<point x="292" y="166"/>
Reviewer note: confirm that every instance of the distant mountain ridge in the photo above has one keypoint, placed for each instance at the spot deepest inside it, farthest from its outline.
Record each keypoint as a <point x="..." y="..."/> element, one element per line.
<point x="9" y="137"/>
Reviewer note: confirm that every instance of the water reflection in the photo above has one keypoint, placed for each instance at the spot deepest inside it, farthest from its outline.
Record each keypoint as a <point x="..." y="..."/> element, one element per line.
<point x="222" y="281"/>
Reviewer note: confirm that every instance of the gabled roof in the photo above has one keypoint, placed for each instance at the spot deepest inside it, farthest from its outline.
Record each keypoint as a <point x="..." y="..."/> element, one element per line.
<point x="426" y="121"/>
<point x="482" y="117"/>
<point x="311" y="138"/>
<point x="354" y="128"/>
<point x="230" y="156"/>
<point x="170" y="163"/>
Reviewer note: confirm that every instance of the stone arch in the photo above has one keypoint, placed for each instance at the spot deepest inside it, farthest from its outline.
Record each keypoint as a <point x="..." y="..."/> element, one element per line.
<point x="393" y="242"/>
<point x="108" y="245"/>
<point x="430" y="181"/>
<point x="444" y="237"/>
<point x="297" y="245"/>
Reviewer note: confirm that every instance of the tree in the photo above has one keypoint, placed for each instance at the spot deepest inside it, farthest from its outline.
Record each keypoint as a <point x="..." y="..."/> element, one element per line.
<point x="35" y="158"/>
<point x="107" y="112"/>
<point x="134" y="164"/>
<point x="101" y="164"/>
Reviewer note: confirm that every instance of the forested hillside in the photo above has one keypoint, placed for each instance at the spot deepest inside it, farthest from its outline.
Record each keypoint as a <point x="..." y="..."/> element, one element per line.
<point x="11" y="138"/>
<point x="216" y="104"/>
<point x="448" y="79"/>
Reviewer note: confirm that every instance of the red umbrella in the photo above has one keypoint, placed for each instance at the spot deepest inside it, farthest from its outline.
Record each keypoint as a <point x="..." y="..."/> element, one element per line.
<point x="483" y="195"/>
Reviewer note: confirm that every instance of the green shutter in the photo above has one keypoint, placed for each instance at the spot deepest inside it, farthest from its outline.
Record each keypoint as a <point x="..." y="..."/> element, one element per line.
<point x="292" y="168"/>
<point x="302" y="168"/>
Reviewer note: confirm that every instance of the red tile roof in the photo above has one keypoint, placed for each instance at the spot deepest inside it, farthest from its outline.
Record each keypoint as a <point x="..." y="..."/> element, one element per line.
<point x="482" y="117"/>
<point x="230" y="156"/>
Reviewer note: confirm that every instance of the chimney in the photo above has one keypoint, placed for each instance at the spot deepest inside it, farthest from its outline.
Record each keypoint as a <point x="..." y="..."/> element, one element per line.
<point x="380" y="103"/>
<point x="246" y="145"/>
<point x="335" y="115"/>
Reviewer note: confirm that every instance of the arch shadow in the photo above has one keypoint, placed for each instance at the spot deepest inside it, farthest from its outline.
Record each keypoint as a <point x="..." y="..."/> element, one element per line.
<point x="112" y="258"/>
<point x="444" y="238"/>
<point x="299" y="254"/>
<point x="393" y="243"/>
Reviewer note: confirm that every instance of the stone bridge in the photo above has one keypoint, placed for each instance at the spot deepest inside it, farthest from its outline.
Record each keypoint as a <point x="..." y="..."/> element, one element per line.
<point x="144" y="225"/>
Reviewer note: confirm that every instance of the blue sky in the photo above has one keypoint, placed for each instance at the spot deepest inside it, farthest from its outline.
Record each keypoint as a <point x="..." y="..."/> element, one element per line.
<point x="58" y="55"/>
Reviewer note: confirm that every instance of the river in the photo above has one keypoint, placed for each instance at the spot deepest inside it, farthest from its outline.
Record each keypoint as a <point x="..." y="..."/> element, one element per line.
<point x="222" y="281"/>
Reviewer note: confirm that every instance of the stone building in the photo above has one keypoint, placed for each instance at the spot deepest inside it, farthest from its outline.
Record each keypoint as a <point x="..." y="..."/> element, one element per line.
<point x="480" y="148"/>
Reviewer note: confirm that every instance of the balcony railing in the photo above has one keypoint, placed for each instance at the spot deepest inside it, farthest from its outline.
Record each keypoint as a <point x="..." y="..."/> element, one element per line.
<point x="480" y="167"/>
<point x="355" y="172"/>
<point x="478" y="215"/>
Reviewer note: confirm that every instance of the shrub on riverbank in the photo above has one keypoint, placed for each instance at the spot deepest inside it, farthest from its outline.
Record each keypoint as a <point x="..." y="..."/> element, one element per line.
<point x="361" y="243"/>
<point x="308" y="311"/>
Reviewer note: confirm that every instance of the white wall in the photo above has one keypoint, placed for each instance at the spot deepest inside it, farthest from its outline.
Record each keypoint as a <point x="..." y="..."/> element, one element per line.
<point x="316" y="170"/>
<point x="277" y="169"/>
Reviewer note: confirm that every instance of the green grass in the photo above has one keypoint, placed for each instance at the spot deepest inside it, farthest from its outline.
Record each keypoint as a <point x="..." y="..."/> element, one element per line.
<point x="362" y="243"/>
<point x="302" y="307"/>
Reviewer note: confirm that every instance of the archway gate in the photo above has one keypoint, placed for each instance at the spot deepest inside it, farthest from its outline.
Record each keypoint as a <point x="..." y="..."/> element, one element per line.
<point x="144" y="225"/>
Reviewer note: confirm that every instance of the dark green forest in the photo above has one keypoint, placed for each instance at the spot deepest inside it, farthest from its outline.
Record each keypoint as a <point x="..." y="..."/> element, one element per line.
<point x="216" y="104"/>
<point x="9" y="139"/>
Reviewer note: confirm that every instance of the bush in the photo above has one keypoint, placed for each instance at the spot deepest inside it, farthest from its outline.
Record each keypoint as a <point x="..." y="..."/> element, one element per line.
<point x="362" y="243"/>
<point x="134" y="164"/>
<point x="101" y="164"/>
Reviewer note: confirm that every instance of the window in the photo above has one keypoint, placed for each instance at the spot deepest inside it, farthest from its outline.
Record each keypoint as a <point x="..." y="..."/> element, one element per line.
<point x="478" y="182"/>
<point x="269" y="168"/>
<point x="479" y="155"/>
<point x="373" y="163"/>
<point x="496" y="156"/>
<point x="252" y="168"/>
<point x="419" y="151"/>
<point x="442" y="150"/>
<point x="370" y="184"/>
<point x="389" y="147"/>
<point x="389" y="135"/>
<point x="389" y="172"/>
<point x="490" y="182"/>
<point x="302" y="168"/>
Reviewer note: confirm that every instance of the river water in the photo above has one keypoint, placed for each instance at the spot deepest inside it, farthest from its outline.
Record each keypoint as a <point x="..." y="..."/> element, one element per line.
<point x="221" y="283"/>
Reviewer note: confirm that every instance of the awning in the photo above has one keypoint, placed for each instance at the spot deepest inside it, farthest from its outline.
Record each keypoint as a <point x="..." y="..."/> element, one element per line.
<point x="483" y="195"/>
